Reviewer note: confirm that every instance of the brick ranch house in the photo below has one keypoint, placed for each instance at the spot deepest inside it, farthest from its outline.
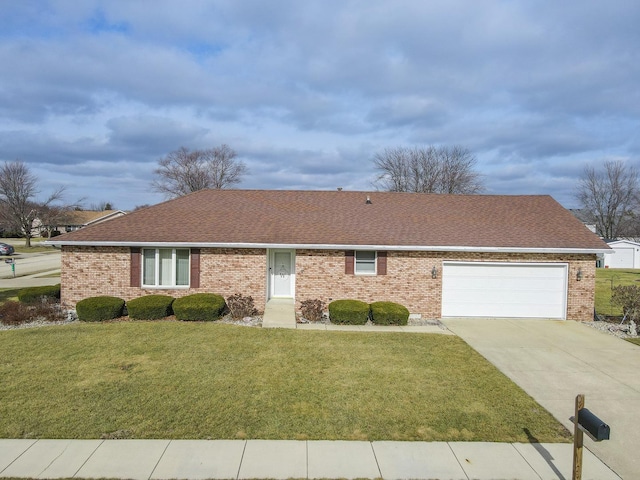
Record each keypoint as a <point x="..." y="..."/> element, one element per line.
<point x="439" y="255"/>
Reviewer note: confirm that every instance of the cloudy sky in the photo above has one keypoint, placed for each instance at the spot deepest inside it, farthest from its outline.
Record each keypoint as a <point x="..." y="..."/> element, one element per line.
<point x="93" y="93"/>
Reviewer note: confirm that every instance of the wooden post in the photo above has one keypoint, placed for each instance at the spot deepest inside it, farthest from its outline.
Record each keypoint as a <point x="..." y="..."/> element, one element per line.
<point x="577" y="440"/>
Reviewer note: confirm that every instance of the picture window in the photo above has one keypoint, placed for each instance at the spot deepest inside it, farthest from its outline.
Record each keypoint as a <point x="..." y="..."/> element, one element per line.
<point x="165" y="267"/>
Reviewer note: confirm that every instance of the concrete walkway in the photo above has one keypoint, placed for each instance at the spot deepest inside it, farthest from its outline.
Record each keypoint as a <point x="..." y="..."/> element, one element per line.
<point x="279" y="313"/>
<point x="553" y="361"/>
<point x="283" y="459"/>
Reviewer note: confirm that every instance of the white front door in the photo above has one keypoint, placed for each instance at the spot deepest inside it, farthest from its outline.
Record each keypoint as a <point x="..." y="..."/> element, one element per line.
<point x="281" y="273"/>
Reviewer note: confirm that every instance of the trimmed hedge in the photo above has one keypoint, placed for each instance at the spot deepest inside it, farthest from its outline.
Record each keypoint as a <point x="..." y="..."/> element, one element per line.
<point x="199" y="307"/>
<point x="389" y="313"/>
<point x="349" y="312"/>
<point x="150" y="307"/>
<point x="33" y="294"/>
<point x="97" y="309"/>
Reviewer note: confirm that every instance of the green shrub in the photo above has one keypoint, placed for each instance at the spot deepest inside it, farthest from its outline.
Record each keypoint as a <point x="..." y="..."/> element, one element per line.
<point x="33" y="294"/>
<point x="97" y="309"/>
<point x="389" y="313"/>
<point x="349" y="312"/>
<point x="150" y="307"/>
<point x="199" y="307"/>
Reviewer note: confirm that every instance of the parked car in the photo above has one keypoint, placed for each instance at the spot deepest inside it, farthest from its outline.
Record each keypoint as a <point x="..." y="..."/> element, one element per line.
<point x="6" y="249"/>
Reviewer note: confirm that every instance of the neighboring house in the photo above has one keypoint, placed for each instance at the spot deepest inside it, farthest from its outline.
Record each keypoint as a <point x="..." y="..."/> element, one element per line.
<point x="624" y="254"/>
<point x="77" y="219"/>
<point x="439" y="255"/>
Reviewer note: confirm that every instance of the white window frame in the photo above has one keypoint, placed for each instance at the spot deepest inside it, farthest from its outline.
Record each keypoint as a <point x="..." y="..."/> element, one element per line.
<point x="367" y="261"/>
<point x="156" y="283"/>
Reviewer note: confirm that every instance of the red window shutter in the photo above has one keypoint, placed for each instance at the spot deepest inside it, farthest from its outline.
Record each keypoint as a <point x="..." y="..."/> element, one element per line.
<point x="135" y="267"/>
<point x="349" y="260"/>
<point x="382" y="263"/>
<point x="195" y="268"/>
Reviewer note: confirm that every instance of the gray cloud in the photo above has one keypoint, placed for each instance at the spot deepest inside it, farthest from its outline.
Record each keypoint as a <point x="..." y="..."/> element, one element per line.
<point x="307" y="92"/>
<point x="151" y="134"/>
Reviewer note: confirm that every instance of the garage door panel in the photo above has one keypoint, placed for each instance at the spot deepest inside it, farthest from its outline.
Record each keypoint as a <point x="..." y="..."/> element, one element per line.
<point x="512" y="284"/>
<point x="504" y="290"/>
<point x="503" y="310"/>
<point x="622" y="258"/>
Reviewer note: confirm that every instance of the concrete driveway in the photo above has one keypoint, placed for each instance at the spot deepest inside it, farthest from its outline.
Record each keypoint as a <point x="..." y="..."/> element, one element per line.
<point x="553" y="361"/>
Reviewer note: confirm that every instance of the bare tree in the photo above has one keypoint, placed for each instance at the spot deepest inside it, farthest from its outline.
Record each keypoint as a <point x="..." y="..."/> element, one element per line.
<point x="183" y="171"/>
<point x="52" y="216"/>
<point x="6" y="227"/>
<point x="18" y="189"/>
<point x="428" y="170"/>
<point x="611" y="198"/>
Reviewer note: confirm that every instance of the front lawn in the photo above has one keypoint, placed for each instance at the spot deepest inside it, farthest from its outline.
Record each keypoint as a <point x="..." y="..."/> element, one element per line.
<point x="8" y="294"/>
<point x="35" y="248"/>
<point x="605" y="279"/>
<point x="205" y="380"/>
<point x="36" y="245"/>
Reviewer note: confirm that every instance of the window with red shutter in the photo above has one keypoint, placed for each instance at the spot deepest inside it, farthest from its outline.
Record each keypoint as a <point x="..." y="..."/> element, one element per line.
<point x="365" y="262"/>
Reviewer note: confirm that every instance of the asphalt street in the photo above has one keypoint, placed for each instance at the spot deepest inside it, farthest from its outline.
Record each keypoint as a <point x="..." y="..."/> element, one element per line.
<point x="29" y="270"/>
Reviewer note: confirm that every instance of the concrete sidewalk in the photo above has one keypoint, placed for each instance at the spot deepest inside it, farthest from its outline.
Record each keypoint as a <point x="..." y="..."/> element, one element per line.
<point x="283" y="459"/>
<point x="554" y="360"/>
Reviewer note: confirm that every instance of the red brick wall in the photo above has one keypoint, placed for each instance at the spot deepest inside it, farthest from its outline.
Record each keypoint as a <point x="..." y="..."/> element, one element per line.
<point x="321" y="274"/>
<point x="91" y="271"/>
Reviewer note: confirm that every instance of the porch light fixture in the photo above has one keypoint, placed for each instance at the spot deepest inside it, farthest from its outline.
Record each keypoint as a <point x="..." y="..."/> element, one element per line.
<point x="434" y="272"/>
<point x="579" y="274"/>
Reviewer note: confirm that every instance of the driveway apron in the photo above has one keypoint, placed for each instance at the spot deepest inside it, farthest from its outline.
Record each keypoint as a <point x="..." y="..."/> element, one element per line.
<point x="554" y="360"/>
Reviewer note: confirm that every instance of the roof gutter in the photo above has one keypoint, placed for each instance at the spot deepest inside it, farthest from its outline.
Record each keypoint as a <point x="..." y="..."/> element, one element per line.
<point x="398" y="248"/>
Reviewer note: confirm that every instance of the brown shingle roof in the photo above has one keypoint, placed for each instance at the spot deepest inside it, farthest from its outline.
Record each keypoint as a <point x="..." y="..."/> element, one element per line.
<point x="83" y="217"/>
<point x="285" y="217"/>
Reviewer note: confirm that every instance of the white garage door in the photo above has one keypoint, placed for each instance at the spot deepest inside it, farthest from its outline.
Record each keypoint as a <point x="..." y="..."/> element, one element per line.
<point x="622" y="258"/>
<point x="509" y="290"/>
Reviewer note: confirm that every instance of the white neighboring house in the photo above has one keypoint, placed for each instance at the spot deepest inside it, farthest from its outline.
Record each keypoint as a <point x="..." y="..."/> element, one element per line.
<point x="626" y="254"/>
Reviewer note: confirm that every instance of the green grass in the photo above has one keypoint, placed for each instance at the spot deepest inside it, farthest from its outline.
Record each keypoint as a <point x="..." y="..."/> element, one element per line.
<point x="36" y="245"/>
<point x="9" y="294"/>
<point x="207" y="380"/>
<point x="605" y="278"/>
<point x="35" y="248"/>
<point x="633" y="340"/>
